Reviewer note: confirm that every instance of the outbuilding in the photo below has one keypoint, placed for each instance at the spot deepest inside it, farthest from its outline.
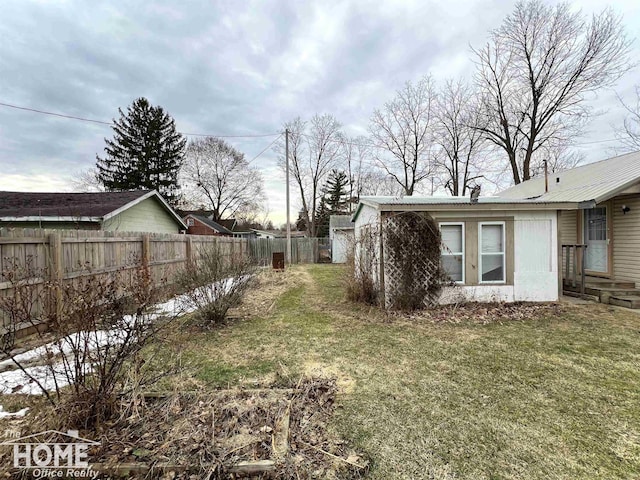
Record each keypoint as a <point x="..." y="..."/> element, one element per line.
<point x="341" y="235"/>
<point x="492" y="249"/>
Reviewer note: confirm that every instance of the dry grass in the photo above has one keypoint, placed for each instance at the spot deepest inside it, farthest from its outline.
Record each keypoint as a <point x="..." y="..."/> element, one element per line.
<point x="480" y="392"/>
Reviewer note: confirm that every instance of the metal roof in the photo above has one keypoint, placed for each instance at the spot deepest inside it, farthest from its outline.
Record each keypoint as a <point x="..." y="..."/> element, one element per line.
<point x="444" y="200"/>
<point x="442" y="203"/>
<point x="595" y="182"/>
<point x="340" y="222"/>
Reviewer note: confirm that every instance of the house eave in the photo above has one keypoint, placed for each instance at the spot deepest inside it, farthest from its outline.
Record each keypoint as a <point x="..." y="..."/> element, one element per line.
<point x="443" y="207"/>
<point x="36" y="218"/>
<point x="152" y="193"/>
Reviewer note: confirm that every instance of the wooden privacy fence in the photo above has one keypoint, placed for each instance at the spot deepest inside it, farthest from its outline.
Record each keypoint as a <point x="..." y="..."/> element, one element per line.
<point x="39" y="255"/>
<point x="62" y="255"/>
<point x="303" y="250"/>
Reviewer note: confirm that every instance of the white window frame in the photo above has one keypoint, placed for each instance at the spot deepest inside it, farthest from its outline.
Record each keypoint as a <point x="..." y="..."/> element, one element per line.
<point x="504" y="253"/>
<point x="190" y="222"/>
<point x="453" y="254"/>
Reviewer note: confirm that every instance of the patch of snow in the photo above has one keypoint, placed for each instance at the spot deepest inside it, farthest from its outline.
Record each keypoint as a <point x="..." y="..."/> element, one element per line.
<point x="19" y="413"/>
<point x="16" y="381"/>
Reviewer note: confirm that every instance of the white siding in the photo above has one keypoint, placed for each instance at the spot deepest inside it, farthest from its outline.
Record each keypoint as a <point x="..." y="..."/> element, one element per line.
<point x="341" y="242"/>
<point x="368" y="219"/>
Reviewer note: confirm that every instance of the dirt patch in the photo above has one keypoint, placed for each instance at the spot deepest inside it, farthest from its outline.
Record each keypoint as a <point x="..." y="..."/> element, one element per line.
<point x="210" y="435"/>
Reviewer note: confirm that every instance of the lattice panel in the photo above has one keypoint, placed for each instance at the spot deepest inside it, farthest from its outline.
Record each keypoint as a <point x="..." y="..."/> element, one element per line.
<point x="412" y="273"/>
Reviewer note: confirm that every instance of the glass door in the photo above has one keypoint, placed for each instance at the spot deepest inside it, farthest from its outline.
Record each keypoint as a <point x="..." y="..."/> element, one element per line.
<point x="595" y="235"/>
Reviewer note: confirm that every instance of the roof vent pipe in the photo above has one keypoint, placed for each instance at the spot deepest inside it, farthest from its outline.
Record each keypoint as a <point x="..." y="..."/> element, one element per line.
<point x="546" y="177"/>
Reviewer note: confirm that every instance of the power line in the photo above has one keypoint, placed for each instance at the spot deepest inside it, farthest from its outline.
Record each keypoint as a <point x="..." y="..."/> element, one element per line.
<point x="100" y="122"/>
<point x="265" y="149"/>
<point x="55" y="114"/>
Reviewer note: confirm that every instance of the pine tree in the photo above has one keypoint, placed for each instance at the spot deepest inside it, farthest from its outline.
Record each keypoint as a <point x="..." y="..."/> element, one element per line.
<point x="146" y="152"/>
<point x="322" y="218"/>
<point x="336" y="192"/>
<point x="333" y="202"/>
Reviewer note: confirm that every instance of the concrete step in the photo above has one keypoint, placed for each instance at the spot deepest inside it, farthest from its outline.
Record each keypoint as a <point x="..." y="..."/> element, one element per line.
<point x="629" y="301"/>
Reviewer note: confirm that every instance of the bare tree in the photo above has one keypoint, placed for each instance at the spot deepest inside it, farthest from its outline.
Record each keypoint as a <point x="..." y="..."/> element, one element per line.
<point x="536" y="72"/>
<point x="219" y="176"/>
<point x="314" y="149"/>
<point x="357" y="156"/>
<point x="402" y="129"/>
<point x="559" y="157"/>
<point x="87" y="181"/>
<point x="457" y="133"/>
<point x="629" y="135"/>
<point x="374" y="181"/>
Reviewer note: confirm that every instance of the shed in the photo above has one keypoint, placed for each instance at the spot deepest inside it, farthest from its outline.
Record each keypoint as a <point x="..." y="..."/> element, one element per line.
<point x="492" y="249"/>
<point x="341" y="235"/>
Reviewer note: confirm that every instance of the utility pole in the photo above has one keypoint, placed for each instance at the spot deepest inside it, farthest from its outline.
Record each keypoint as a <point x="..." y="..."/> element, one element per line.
<point x="286" y="155"/>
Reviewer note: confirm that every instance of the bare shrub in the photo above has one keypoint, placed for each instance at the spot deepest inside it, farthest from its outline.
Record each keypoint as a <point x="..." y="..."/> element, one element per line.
<point x="362" y="263"/>
<point x="214" y="282"/>
<point x="96" y="327"/>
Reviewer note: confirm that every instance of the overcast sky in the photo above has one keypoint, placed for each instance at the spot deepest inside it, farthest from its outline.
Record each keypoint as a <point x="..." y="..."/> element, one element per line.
<point x="233" y="68"/>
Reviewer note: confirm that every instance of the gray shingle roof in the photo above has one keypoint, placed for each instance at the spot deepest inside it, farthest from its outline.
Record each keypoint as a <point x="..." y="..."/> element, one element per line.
<point x="598" y="181"/>
<point x="96" y="204"/>
<point x="340" y="222"/>
<point x="210" y="223"/>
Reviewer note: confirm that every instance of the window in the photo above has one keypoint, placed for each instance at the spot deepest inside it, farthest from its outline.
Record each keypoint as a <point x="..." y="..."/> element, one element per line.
<point x="189" y="222"/>
<point x="492" y="252"/>
<point x="453" y="250"/>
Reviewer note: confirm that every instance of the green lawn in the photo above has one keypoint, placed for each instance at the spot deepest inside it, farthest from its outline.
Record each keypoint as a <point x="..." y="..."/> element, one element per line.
<point x="541" y="398"/>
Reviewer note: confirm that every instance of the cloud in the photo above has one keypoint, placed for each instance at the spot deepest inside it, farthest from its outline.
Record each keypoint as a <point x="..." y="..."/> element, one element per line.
<point x="230" y="67"/>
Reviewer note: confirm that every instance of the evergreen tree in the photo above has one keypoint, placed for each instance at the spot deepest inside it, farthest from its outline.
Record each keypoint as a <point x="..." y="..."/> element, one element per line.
<point x="146" y="152"/>
<point x="322" y="218"/>
<point x="336" y="192"/>
<point x="334" y="201"/>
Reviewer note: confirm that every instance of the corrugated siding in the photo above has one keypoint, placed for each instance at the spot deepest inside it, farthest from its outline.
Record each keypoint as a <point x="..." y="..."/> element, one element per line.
<point x="146" y="216"/>
<point x="626" y="239"/>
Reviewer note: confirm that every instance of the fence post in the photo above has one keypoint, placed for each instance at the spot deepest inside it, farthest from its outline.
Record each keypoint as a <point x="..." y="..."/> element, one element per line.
<point x="55" y="253"/>
<point x="189" y="251"/>
<point x="146" y="250"/>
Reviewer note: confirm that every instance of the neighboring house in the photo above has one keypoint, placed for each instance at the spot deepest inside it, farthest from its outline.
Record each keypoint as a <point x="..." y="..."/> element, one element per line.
<point x="131" y="211"/>
<point x="606" y="219"/>
<point x="494" y="249"/>
<point x="341" y="235"/>
<point x="201" y="225"/>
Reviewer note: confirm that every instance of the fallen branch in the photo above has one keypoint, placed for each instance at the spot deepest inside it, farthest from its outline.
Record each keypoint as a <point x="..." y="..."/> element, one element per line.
<point x="252" y="468"/>
<point x="333" y="456"/>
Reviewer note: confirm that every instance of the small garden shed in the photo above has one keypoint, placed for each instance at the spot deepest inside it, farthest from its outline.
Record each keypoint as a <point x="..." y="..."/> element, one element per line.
<point x="341" y="236"/>
<point x="491" y="249"/>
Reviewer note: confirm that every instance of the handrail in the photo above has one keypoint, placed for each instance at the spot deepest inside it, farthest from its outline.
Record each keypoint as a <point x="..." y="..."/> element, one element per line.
<point x="571" y="273"/>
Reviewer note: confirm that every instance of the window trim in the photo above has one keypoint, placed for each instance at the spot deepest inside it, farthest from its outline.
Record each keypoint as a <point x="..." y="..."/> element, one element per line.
<point x="503" y="252"/>
<point x="463" y="253"/>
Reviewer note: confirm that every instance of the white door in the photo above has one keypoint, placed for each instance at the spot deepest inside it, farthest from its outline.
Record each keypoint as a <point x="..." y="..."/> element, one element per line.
<point x="596" y="238"/>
